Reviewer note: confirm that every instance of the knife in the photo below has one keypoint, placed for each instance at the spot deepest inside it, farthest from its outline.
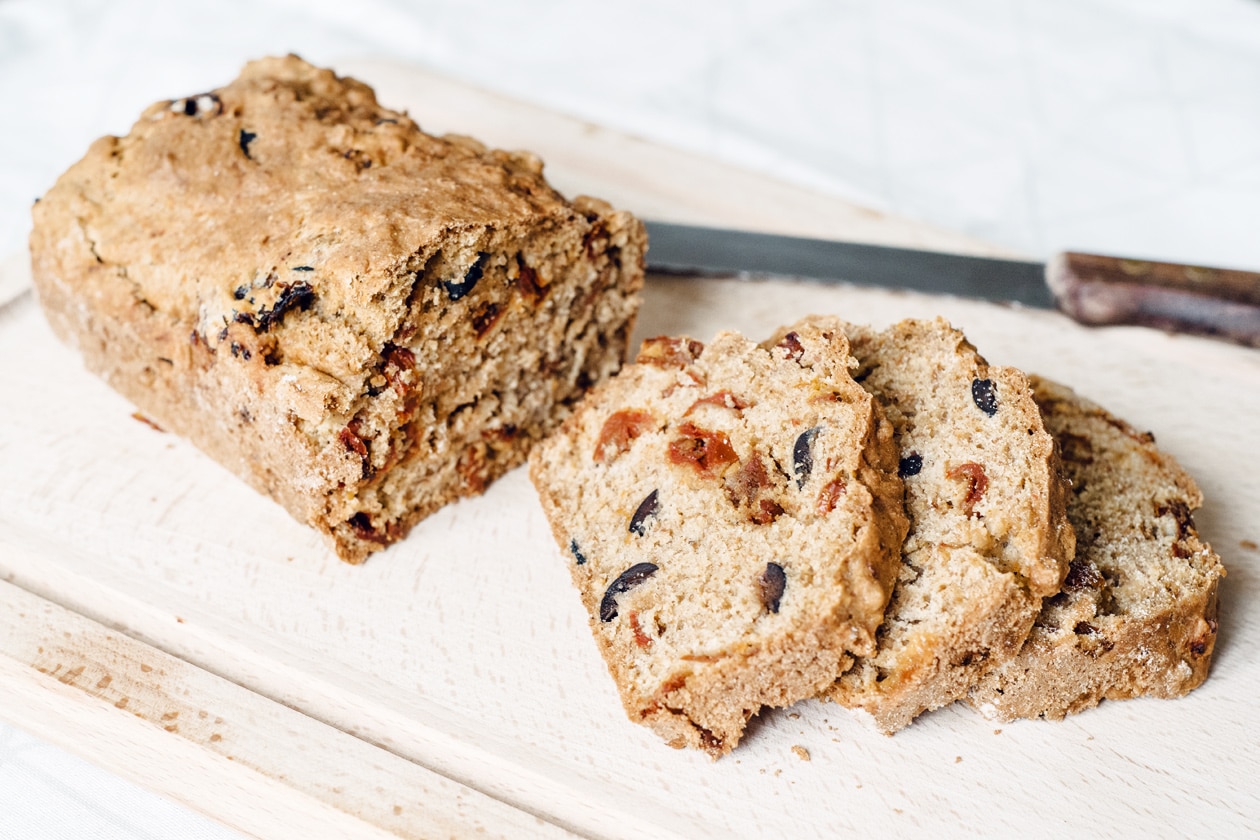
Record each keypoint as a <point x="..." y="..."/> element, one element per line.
<point x="1090" y="288"/>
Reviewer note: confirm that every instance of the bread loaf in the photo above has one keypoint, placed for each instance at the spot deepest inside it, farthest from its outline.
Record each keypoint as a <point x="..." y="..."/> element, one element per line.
<point x="361" y="320"/>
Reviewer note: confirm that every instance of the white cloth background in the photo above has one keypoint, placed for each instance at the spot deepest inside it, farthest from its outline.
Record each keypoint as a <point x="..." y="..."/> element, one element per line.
<point x="1121" y="126"/>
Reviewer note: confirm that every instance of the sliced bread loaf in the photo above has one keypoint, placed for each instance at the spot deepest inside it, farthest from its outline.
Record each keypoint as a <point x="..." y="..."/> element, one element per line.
<point x="731" y="516"/>
<point x="1137" y="613"/>
<point x="988" y="537"/>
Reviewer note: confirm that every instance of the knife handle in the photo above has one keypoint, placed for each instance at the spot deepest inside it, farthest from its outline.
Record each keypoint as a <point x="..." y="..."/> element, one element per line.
<point x="1215" y="302"/>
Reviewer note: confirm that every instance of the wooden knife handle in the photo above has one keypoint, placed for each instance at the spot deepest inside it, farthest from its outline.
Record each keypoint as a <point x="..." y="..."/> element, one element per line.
<point x="1216" y="302"/>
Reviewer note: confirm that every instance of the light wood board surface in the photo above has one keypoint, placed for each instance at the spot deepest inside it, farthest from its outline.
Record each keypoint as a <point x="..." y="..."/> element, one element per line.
<point x="453" y="676"/>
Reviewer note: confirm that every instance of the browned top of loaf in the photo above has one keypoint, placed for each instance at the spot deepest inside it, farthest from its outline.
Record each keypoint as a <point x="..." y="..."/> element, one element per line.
<point x="289" y="166"/>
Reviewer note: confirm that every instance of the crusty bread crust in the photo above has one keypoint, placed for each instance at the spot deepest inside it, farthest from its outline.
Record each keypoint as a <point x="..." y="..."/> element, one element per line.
<point x="759" y="486"/>
<point x="1137" y="613"/>
<point x="361" y="320"/>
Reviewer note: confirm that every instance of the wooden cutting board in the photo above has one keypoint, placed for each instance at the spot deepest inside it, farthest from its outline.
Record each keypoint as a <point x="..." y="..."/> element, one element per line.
<point x="165" y="622"/>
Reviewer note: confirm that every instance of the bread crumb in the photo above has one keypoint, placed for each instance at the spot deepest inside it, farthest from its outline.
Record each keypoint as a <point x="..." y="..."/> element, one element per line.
<point x="958" y="759"/>
<point x="135" y="415"/>
<point x="1250" y="545"/>
<point x="794" y="715"/>
<point x="801" y="752"/>
<point x="997" y="731"/>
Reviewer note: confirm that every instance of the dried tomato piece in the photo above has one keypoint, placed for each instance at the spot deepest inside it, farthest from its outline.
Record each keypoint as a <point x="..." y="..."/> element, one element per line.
<point x="1082" y="575"/>
<point x="619" y="431"/>
<point x="398" y="360"/>
<point x="528" y="283"/>
<point x="361" y="524"/>
<point x="485" y="317"/>
<point x="830" y="495"/>
<point x="595" y="239"/>
<point x="790" y="344"/>
<point x="640" y="638"/>
<point x="722" y="399"/>
<point x="352" y="442"/>
<point x="767" y="511"/>
<point x="664" y="351"/>
<point x="745" y="486"/>
<point x="977" y="482"/>
<point x="707" y="452"/>
<point x="474" y="469"/>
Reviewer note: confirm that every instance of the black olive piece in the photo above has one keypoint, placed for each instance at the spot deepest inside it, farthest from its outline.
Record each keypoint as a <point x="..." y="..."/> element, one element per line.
<point x="647" y="509"/>
<point x="803" y="455"/>
<point x="577" y="552"/>
<point x="298" y="296"/>
<point x="302" y="268"/>
<point x="240" y="292"/>
<point x="245" y="138"/>
<point x="456" y="290"/>
<point x="984" y="396"/>
<point x="625" y="581"/>
<point x="201" y="105"/>
<point x="770" y="585"/>
<point x="910" y="465"/>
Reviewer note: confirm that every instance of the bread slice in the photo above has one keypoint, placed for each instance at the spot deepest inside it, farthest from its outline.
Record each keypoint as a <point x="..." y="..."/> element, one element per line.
<point x="1137" y="613"/>
<point x="731" y="516"/>
<point x="362" y="320"/>
<point x="988" y="537"/>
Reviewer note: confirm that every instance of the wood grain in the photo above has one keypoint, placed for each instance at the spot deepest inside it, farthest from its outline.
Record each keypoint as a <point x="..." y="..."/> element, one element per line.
<point x="461" y="656"/>
<point x="257" y="766"/>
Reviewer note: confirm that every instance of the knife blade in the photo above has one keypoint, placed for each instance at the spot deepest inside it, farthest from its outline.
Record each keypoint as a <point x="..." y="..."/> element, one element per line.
<point x="1090" y="288"/>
